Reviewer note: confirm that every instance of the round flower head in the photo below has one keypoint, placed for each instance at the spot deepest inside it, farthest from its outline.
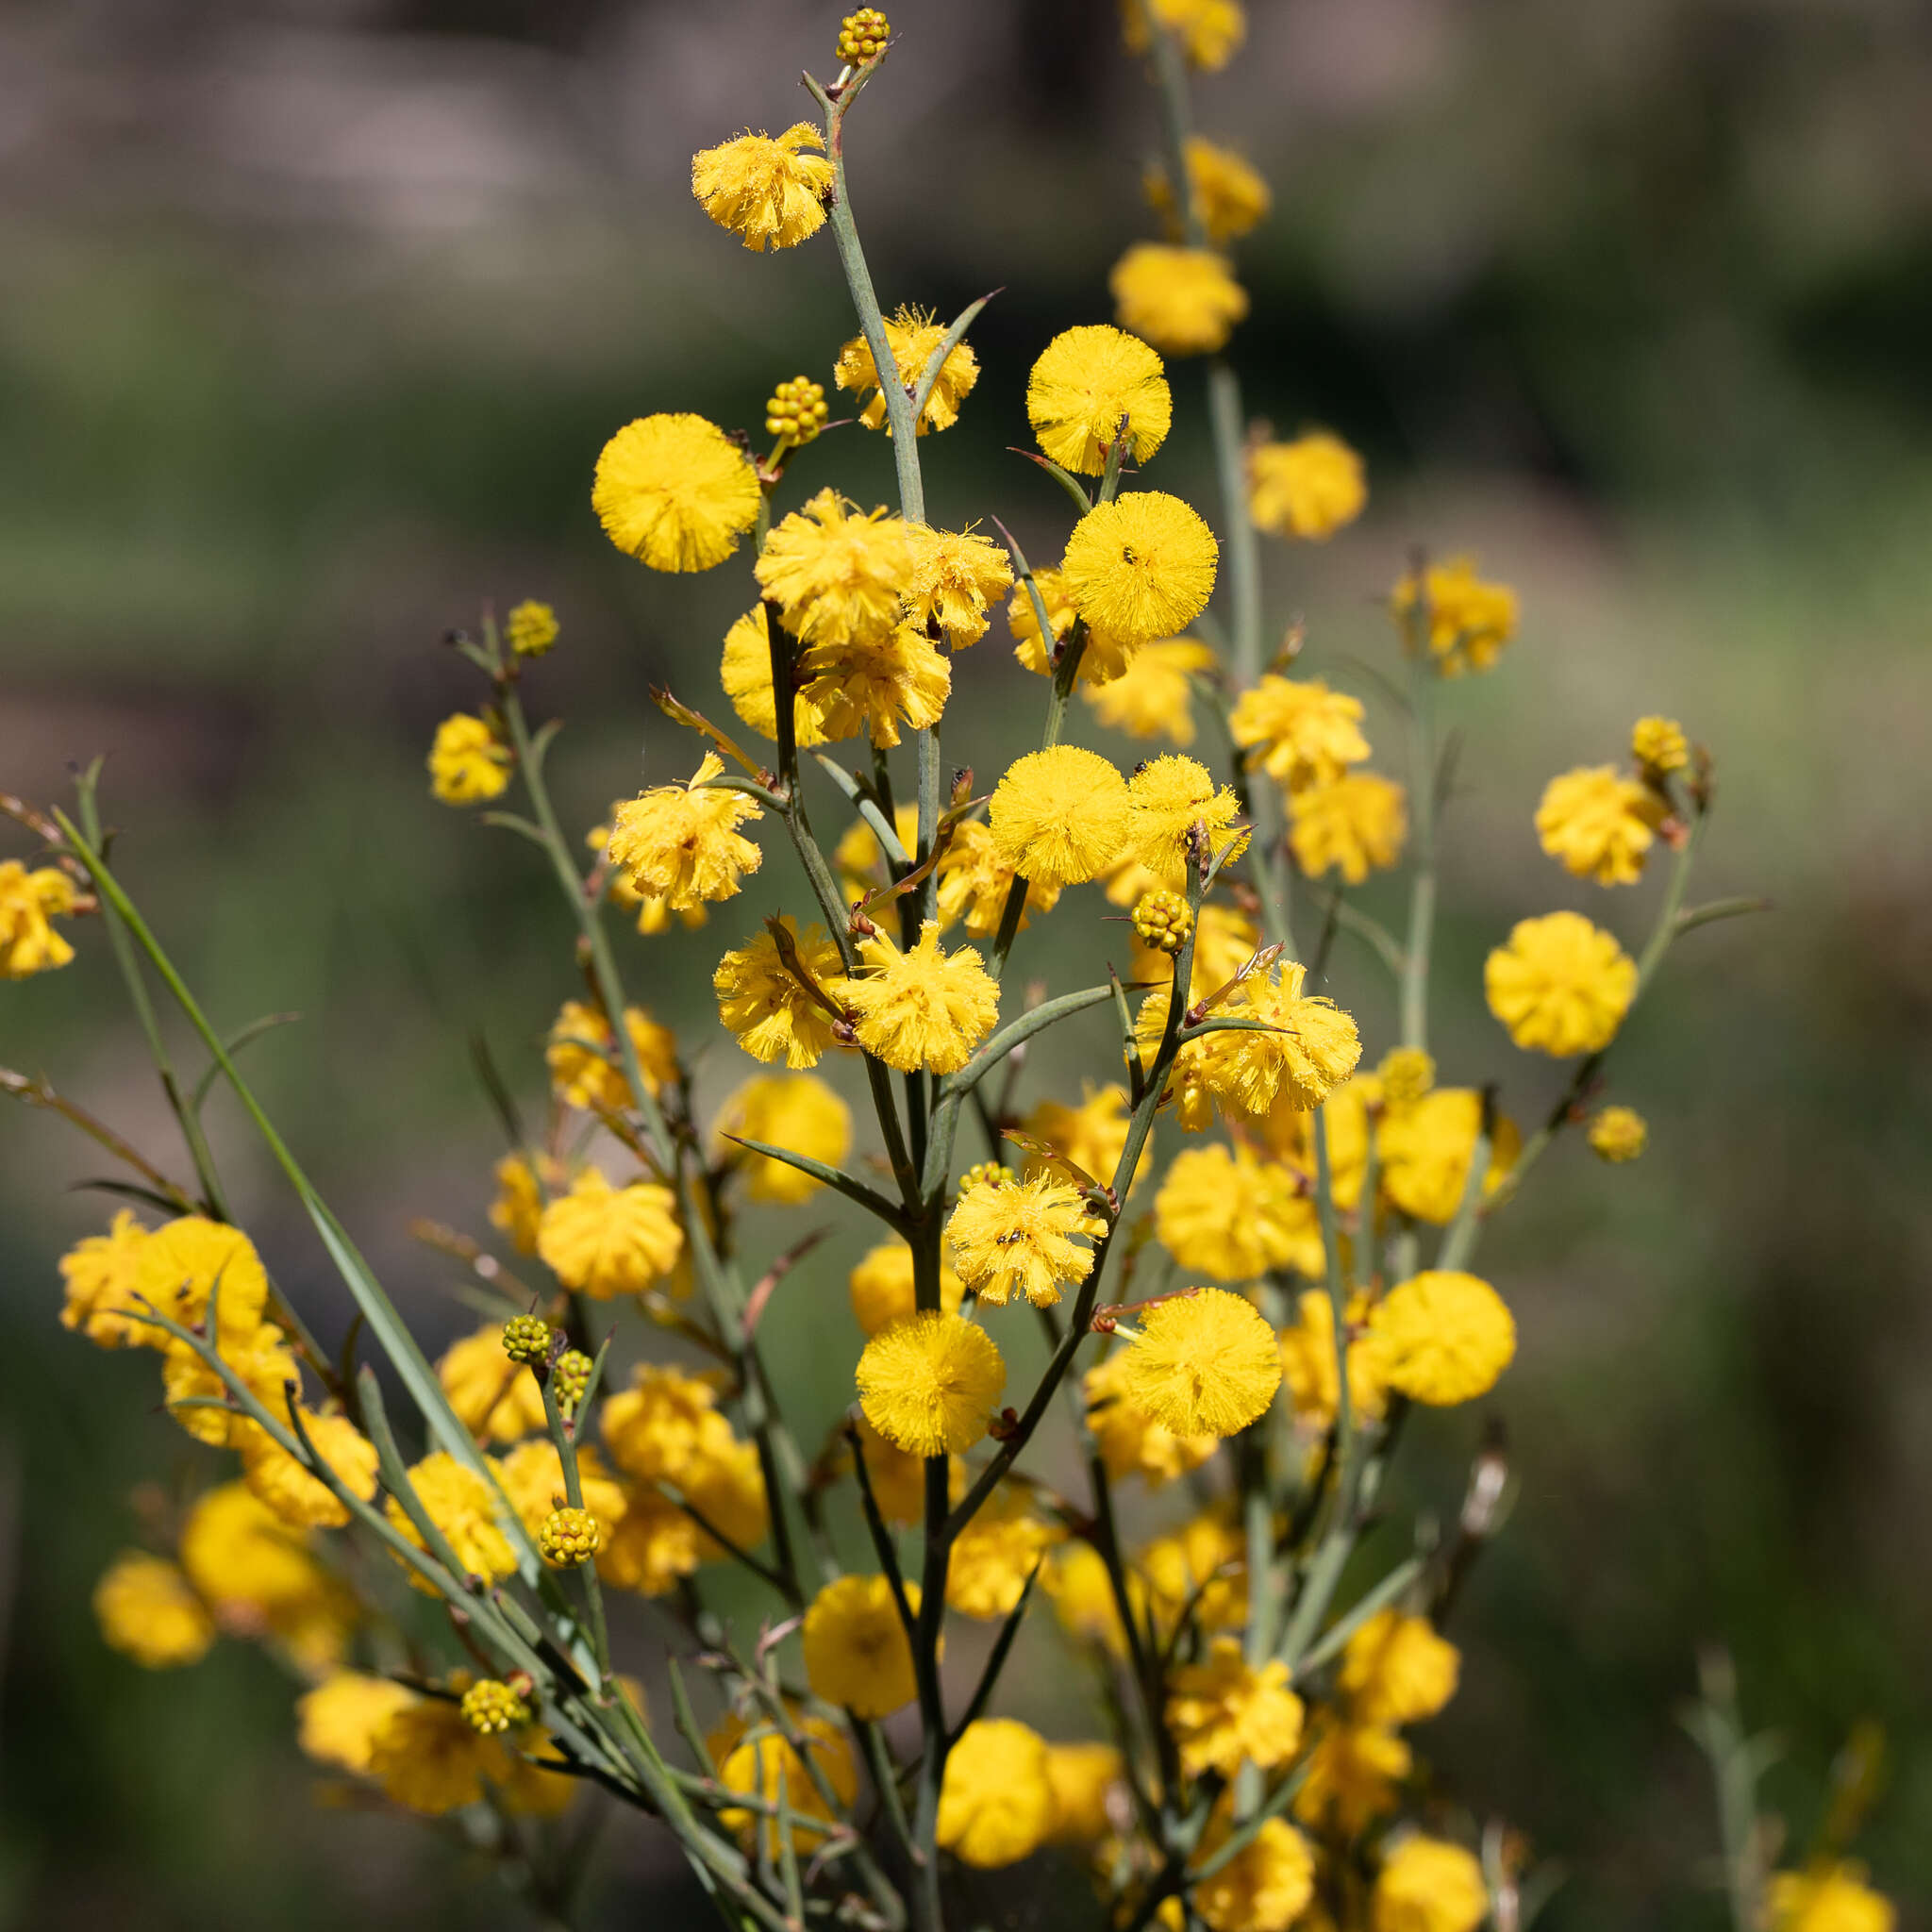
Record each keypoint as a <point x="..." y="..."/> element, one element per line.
<point x="1426" y="1144"/>
<point x="29" y="900"/>
<point x="767" y="191"/>
<point x="790" y="1111"/>
<point x="1658" y="745"/>
<point x="745" y="672"/>
<point x="1599" y="824"/>
<point x="996" y="1801"/>
<point x="1024" y="1236"/>
<point x="602" y="1241"/>
<point x="1200" y="1567"/>
<point x="1468" y="620"/>
<point x="837" y="577"/>
<point x="469" y="763"/>
<point x="1102" y="659"/>
<point x="876" y="685"/>
<point x="462" y="1504"/>
<point x="531" y="1477"/>
<point x="245" y="1563"/>
<point x="1223" y="1715"/>
<point x="1167" y="798"/>
<point x="286" y="1484"/>
<point x="338" y="1720"/>
<point x="1140" y="567"/>
<point x="1618" y="1134"/>
<point x="1354" y="824"/>
<point x="973" y="882"/>
<point x="665" y="1426"/>
<point x="682" y="841"/>
<point x="1130" y="1441"/>
<point x="585" y="1069"/>
<point x="1354" y="1771"/>
<point x="194" y="1393"/>
<point x="763" y="1003"/>
<point x="675" y="492"/>
<point x="1561" y="984"/>
<point x="1828" y="1898"/>
<point x="1185" y="300"/>
<point x="1089" y="1787"/>
<point x="1397" y="1670"/>
<point x="1308" y="487"/>
<point x="1203" y="1363"/>
<point x="995" y="1553"/>
<point x="1154" y="696"/>
<point x="928" y="1384"/>
<point x="922" y="1008"/>
<point x="1227" y="1213"/>
<point x="856" y="1652"/>
<point x="531" y="628"/>
<point x="1311" y="1047"/>
<point x="1441" y="1338"/>
<point x="1209" y="31"/>
<point x="1092" y="385"/>
<point x="1059" y="816"/>
<point x="955" y="576"/>
<point x="882" y="1290"/>
<point x="185" y="1264"/>
<point x="1298" y="731"/>
<point x="1428" y="1885"/>
<point x="752" y="1758"/>
<point x="430" y="1759"/>
<point x="1228" y="195"/>
<point x="1263" y="1888"/>
<point x="1307" y="1362"/>
<point x="912" y="335"/>
<point x="148" y="1611"/>
<point x="99" y="1273"/>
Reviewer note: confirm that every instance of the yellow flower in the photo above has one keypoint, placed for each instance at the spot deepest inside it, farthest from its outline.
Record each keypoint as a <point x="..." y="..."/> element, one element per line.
<point x="1089" y="1789"/>
<point x="1561" y="984"/>
<point x="1203" y="1563"/>
<point x="682" y="841"/>
<point x="1352" y="1773"/>
<point x="664" y="1425"/>
<point x="1203" y="1363"/>
<point x="1131" y="1441"/>
<point x="265" y="1364"/>
<point x="881" y="1287"/>
<point x="837" y="577"/>
<point x="1406" y="1073"/>
<point x="1397" y="1670"/>
<point x="1153" y="697"/>
<point x="995" y="1553"/>
<point x="856" y="1652"/>
<point x="654" y="1545"/>
<point x="928" y="1383"/>
<point x="1209" y="30"/>
<point x="1140" y="567"/>
<point x="603" y="1240"/>
<point x="1083" y="1598"/>
<point x="1012" y="1236"/>
<point x="256" y="1574"/>
<point x="1227" y="1213"/>
<point x="876" y="684"/>
<point x="338" y="1720"/>
<point x="1059" y="816"/>
<point x="188" y="1261"/>
<point x="1223" y="1715"/>
<point x="996" y="1801"/>
<point x="1428" y="1885"/>
<point x="1468" y="620"/>
<point x="469" y="762"/>
<point x="492" y="1396"/>
<point x="531" y="628"/>
<point x="1618" y="1133"/>
<point x="99" y="1273"/>
<point x="289" y="1489"/>
<point x="1828" y="1898"/>
<point x="1228" y="195"/>
<point x="1102" y="658"/>
<point x="1087" y="383"/>
<point x="1354" y="824"/>
<point x="1185" y="300"/>
<point x="1426" y="1147"/>
<point x="763" y="1004"/>
<point x="584" y="1068"/>
<point x="1307" y="1362"/>
<point x="519" y="1201"/>
<point x="675" y="492"/>
<point x="755" y="1759"/>
<point x="765" y="191"/>
<point x="147" y="1611"/>
<point x="1092" y="1136"/>
<point x="1442" y="1337"/>
<point x="1309" y="488"/>
<point x="1658" y="745"/>
<point x="745" y="672"/>
<point x="462" y="1504"/>
<point x="1311" y="1047"/>
<point x="923" y="1007"/>
<point x="973" y="882"/>
<point x="429" y="1760"/>
<point x="1168" y="796"/>
<point x="1263" y="1888"/>
<point x="1599" y="824"/>
<point x="28" y="944"/>
<point x="955" y="576"/>
<point x="793" y="1111"/>
<point x="912" y="335"/>
<point x="1298" y="731"/>
<point x="860" y="859"/>
<point x="532" y="1479"/>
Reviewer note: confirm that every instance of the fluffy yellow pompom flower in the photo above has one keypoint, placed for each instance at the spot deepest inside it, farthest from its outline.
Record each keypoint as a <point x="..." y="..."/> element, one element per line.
<point x="1828" y="1898"/>
<point x="923" y="1007"/>
<point x="1618" y="1134"/>
<point x="1307" y="1362"/>
<point x="1352" y="1773"/>
<point x="1140" y="567"/>
<point x="675" y="492"/>
<point x="296" y="1496"/>
<point x="469" y="763"/>
<point x="793" y="1111"/>
<point x="581" y="1055"/>
<point x="1428" y="1885"/>
<point x="767" y="191"/>
<point x="1442" y="1337"/>
<point x="877" y="684"/>
<point x="261" y="1359"/>
<point x="1229" y="1213"/>
<point x="1229" y="194"/>
<point x="1311" y="1047"/>
<point x="837" y="577"/>
<point x="1599" y="824"/>
<point x="1153" y="696"/>
<point x="462" y="1504"/>
<point x="492" y="1396"/>
<point x="1209" y="31"/>
<point x="1167" y="797"/>
<point x="1059" y="816"/>
<point x="1354" y="824"/>
<point x="147" y="1611"/>
<point x="1309" y="488"/>
<point x="1223" y="1715"/>
<point x="996" y="1801"/>
<point x="995" y="1553"/>
<point x="186" y="1262"/>
<point x="428" y="1758"/>
<point x="1561" y="984"/>
<point x="752" y="1760"/>
<point x="1022" y="1237"/>
<point x="1090" y="1790"/>
<point x="603" y="1240"/>
<point x="1131" y="1441"/>
<point x="1298" y="731"/>
<point x="1468" y="620"/>
<point x="881" y="1287"/>
<point x="928" y="1383"/>
<point x="1102" y="659"/>
<point x="1658" y="745"/>
<point x="1203" y="1363"/>
<point x="1185" y="300"/>
<point x="682" y="843"/>
<point x="856" y="1652"/>
<point x="973" y="882"/>
<point x="763" y="1004"/>
<point x="912" y="335"/>
<point x="99" y="1273"/>
<point x="29" y="900"/>
<point x="664" y="1425"/>
<point x="1263" y="1888"/>
<point x="1397" y="1670"/>
<point x="1092" y="385"/>
<point x="745" y="672"/>
<point x="955" y="576"/>
<point x="252" y="1570"/>
<point x="338" y="1720"/>
<point x="1426" y="1147"/>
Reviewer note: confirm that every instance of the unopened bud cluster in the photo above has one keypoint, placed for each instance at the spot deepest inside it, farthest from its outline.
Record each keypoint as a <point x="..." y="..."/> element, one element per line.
<point x="862" y="36"/>
<point x="796" y="411"/>
<point x="491" y="1708"/>
<point x="987" y="1172"/>
<point x="531" y="628"/>
<point x="526" y="1340"/>
<point x="569" y="1378"/>
<point x="1162" y="920"/>
<point x="568" y="1536"/>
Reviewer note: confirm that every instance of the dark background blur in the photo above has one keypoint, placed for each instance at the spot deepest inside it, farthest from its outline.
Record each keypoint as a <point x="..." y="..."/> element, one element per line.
<point x="315" y="317"/>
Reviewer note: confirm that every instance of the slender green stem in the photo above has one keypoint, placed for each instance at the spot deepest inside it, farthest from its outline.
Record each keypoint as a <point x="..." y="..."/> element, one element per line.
<point x="1421" y="890"/>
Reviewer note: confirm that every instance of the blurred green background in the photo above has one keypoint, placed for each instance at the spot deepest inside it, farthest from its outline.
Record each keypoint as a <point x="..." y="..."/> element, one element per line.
<point x="317" y="313"/>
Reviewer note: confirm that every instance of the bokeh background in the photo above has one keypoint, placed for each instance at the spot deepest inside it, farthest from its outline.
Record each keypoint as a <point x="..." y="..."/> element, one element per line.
<point x="316" y="315"/>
